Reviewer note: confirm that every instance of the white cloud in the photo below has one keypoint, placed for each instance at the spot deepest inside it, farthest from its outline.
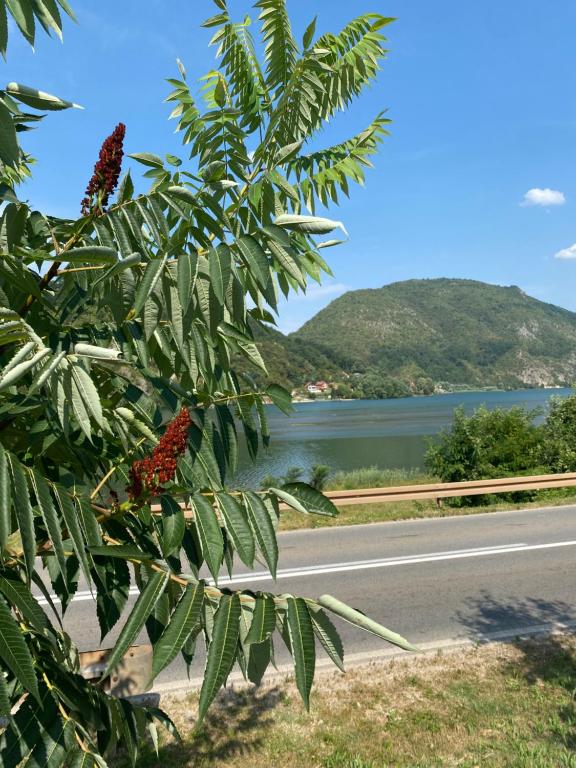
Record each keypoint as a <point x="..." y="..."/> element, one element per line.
<point x="544" y="197"/>
<point x="566" y="253"/>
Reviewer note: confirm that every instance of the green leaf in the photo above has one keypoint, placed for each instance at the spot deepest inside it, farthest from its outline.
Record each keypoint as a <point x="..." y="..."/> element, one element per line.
<point x="259" y="657"/>
<point x="301" y="635"/>
<point x="88" y="521"/>
<point x="22" y="14"/>
<point x="363" y="622"/>
<point x="184" y="194"/>
<point x="38" y="99"/>
<point x="51" y="521"/>
<point x="263" y="620"/>
<point x="14" y="652"/>
<point x="312" y="225"/>
<point x="186" y="616"/>
<point x="3" y="31"/>
<point x="119" y="266"/>
<point x="151" y="276"/>
<point x="287" y="262"/>
<point x="186" y="273"/>
<point x="24" y="513"/>
<point x="4" y="697"/>
<point x="70" y="395"/>
<point x="255" y="259"/>
<point x="309" y="33"/>
<point x="10" y="378"/>
<point x="113" y="589"/>
<point x="121" y="551"/>
<point x="9" y="150"/>
<point x="90" y="254"/>
<point x="173" y="526"/>
<point x="237" y="527"/>
<point x="97" y="353"/>
<point x="326" y="632"/>
<point x="221" y="651"/>
<point x="142" y="609"/>
<point x="209" y="532"/>
<point x="51" y="748"/>
<point x="70" y="516"/>
<point x="220" y="263"/>
<point x="43" y="374"/>
<point x="19" y="596"/>
<point x="21" y="355"/>
<point x="49" y="16"/>
<point x="288" y="152"/>
<point x="5" y="500"/>
<point x="304" y="498"/>
<point x="147" y="158"/>
<point x="220" y="95"/>
<point x="281" y="398"/>
<point x="263" y="529"/>
<point x="88" y="393"/>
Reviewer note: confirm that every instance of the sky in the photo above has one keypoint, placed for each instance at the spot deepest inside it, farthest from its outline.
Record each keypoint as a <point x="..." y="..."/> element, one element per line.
<point x="477" y="179"/>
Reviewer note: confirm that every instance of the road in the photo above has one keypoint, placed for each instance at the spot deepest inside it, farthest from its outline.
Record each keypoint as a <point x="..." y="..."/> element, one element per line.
<point x="431" y="580"/>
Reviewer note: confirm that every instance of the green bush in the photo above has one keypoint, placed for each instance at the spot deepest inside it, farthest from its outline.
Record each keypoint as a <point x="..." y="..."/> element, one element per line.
<point x="558" y="446"/>
<point x="487" y="444"/>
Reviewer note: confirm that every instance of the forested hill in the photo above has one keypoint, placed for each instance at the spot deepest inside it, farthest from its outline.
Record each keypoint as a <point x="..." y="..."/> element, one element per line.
<point x="421" y="335"/>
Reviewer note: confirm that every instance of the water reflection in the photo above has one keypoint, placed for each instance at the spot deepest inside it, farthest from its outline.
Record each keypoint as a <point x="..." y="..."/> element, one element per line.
<point x="363" y="433"/>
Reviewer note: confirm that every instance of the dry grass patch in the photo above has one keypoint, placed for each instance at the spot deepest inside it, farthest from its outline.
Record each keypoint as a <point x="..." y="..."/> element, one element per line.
<point x="500" y="705"/>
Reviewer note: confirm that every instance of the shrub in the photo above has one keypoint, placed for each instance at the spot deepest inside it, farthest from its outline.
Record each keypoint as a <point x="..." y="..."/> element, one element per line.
<point x="118" y="390"/>
<point x="487" y="444"/>
<point x="558" y="446"/>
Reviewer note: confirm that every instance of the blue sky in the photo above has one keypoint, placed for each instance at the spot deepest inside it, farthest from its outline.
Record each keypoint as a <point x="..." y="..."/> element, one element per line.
<point x="483" y="103"/>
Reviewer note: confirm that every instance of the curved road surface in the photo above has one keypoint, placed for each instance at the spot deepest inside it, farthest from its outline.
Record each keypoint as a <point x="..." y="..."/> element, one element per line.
<point x="431" y="580"/>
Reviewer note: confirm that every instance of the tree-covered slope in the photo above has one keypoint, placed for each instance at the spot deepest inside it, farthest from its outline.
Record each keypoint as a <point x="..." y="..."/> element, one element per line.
<point x="291" y="361"/>
<point x="456" y="331"/>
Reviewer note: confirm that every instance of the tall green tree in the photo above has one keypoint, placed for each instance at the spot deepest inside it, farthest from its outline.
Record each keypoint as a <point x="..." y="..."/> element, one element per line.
<point x="118" y="393"/>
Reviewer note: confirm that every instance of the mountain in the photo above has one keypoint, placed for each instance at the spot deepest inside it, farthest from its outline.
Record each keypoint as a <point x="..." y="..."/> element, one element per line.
<point x="453" y="332"/>
<point x="420" y="336"/>
<point x="291" y="361"/>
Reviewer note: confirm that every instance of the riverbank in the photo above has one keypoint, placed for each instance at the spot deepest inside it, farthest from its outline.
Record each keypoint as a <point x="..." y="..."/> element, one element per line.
<point x="502" y="705"/>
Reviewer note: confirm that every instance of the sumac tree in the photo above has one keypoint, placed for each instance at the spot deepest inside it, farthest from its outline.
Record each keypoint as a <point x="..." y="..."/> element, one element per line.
<point x="120" y="406"/>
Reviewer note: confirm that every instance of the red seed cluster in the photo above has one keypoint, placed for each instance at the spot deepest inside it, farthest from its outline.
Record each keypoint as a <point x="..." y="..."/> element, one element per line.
<point x="106" y="173"/>
<point x="149" y="473"/>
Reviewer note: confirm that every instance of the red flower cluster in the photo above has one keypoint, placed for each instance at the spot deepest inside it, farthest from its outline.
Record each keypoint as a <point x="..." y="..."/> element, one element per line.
<point x="148" y="474"/>
<point x="106" y="173"/>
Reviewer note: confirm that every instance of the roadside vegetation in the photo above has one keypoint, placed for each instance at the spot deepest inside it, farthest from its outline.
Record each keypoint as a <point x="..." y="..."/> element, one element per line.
<point x="503" y="706"/>
<point x="488" y="444"/>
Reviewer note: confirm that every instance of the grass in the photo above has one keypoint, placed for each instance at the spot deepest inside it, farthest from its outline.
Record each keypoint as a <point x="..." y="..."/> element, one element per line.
<point x="373" y="477"/>
<point x="503" y="706"/>
<point x="413" y="510"/>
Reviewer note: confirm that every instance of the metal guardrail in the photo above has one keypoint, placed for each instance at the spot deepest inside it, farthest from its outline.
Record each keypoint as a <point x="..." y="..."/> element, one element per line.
<point x="439" y="491"/>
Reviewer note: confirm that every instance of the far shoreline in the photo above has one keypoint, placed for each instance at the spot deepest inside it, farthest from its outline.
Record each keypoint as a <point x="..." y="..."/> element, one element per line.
<point x="432" y="394"/>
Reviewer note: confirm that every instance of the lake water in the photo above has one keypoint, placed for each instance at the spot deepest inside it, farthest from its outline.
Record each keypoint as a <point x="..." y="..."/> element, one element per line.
<point x="364" y="433"/>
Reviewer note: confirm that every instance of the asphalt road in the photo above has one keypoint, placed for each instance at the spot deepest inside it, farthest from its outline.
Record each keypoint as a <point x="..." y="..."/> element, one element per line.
<point x="431" y="580"/>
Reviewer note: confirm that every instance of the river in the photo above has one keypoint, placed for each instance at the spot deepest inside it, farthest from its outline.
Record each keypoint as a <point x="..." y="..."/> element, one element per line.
<point x="365" y="433"/>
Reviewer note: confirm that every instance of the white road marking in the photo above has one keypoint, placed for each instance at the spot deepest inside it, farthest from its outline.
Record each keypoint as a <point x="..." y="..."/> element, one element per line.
<point x="358" y="565"/>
